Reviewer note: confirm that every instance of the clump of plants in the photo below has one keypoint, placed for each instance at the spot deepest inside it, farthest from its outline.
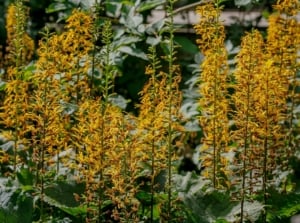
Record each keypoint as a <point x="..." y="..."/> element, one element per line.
<point x="71" y="152"/>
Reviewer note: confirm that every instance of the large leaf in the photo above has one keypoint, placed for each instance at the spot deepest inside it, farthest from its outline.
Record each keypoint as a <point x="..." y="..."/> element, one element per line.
<point x="133" y="52"/>
<point x="242" y="2"/>
<point x="150" y="4"/>
<point x="62" y="193"/>
<point x="73" y="211"/>
<point x="207" y="205"/>
<point x="118" y="100"/>
<point x="113" y="9"/>
<point x="15" y="205"/>
<point x="25" y="177"/>
<point x="283" y="207"/>
<point x="186" y="44"/>
<point x="252" y="211"/>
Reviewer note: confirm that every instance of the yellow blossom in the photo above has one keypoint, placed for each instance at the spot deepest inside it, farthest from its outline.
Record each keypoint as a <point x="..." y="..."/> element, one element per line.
<point x="20" y="46"/>
<point x="213" y="90"/>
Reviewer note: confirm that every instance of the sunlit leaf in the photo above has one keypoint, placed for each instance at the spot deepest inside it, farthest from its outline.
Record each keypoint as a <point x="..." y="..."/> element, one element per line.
<point x="118" y="100"/>
<point x="150" y="4"/>
<point x="153" y="41"/>
<point x="242" y="2"/>
<point x="133" y="52"/>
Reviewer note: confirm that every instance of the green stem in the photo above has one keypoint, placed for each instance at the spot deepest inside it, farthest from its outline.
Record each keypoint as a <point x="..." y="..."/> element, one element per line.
<point x="266" y="148"/>
<point x="154" y="95"/>
<point x="214" y="133"/>
<point x="170" y="96"/>
<point x="246" y="133"/>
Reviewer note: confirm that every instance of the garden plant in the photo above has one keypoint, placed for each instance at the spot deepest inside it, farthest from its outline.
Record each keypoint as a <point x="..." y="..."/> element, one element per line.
<point x="218" y="145"/>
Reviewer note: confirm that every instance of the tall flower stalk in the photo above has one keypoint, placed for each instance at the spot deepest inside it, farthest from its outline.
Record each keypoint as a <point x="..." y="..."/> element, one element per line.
<point x="158" y="117"/>
<point x="150" y="119"/>
<point x="283" y="47"/>
<point x="20" y="46"/>
<point x="249" y="66"/>
<point x="213" y="90"/>
<point x="46" y="115"/>
<point x="15" y="105"/>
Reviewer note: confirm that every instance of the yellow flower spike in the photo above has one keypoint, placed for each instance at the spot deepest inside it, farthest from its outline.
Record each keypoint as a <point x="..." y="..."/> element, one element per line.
<point x="213" y="89"/>
<point x="260" y="100"/>
<point x="20" y="46"/>
<point x="210" y="30"/>
<point x="288" y="7"/>
<point x="283" y="44"/>
<point x="158" y="112"/>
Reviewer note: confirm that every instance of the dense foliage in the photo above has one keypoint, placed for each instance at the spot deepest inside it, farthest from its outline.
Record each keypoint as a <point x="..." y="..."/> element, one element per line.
<point x="211" y="138"/>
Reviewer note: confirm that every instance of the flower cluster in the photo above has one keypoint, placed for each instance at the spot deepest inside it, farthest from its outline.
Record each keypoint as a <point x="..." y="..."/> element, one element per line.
<point x="20" y="46"/>
<point x="213" y="90"/>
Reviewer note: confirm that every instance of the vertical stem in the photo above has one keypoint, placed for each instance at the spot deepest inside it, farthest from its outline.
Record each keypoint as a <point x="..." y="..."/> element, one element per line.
<point x="43" y="145"/>
<point x="18" y="63"/>
<point x="170" y="96"/>
<point x="108" y="76"/>
<point x="214" y="134"/>
<point x="101" y="178"/>
<point x="93" y="69"/>
<point x="266" y="148"/>
<point x="293" y="103"/>
<point x="153" y="77"/>
<point x="245" y="151"/>
<point x="152" y="176"/>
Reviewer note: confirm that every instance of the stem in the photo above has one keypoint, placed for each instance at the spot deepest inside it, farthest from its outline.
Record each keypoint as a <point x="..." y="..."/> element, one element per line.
<point x="43" y="145"/>
<point x="93" y="69"/>
<point x="189" y="6"/>
<point x="293" y="103"/>
<point x="107" y="74"/>
<point x="153" y="49"/>
<point x="214" y="134"/>
<point x="245" y="152"/>
<point x="170" y="96"/>
<point x="152" y="177"/>
<point x="266" y="149"/>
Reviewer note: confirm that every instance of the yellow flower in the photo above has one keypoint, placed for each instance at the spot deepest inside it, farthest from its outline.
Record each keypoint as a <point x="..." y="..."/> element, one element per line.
<point x="211" y="34"/>
<point x="213" y="90"/>
<point x="20" y="46"/>
<point x="288" y="7"/>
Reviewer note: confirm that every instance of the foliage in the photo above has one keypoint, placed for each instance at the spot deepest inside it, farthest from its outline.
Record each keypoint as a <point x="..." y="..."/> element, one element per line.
<point x="223" y="147"/>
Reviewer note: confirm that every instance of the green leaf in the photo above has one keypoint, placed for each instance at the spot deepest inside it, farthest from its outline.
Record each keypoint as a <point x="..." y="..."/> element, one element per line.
<point x="61" y="193"/>
<point x="144" y="197"/>
<point x="86" y="4"/>
<point x="153" y="41"/>
<point x="165" y="47"/>
<point x="284" y="206"/>
<point x="68" y="108"/>
<point x="2" y="85"/>
<point x="133" y="21"/>
<point x="252" y="211"/>
<point x="73" y="211"/>
<point x="7" y="146"/>
<point x="242" y="2"/>
<point x="221" y="221"/>
<point x="126" y="40"/>
<point x="15" y="206"/>
<point x="186" y="44"/>
<point x="118" y="100"/>
<point x="28" y="72"/>
<point x="150" y="4"/>
<point x="56" y="7"/>
<point x="133" y="52"/>
<point x="113" y="9"/>
<point x="155" y="28"/>
<point x="156" y="211"/>
<point x="25" y="177"/>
